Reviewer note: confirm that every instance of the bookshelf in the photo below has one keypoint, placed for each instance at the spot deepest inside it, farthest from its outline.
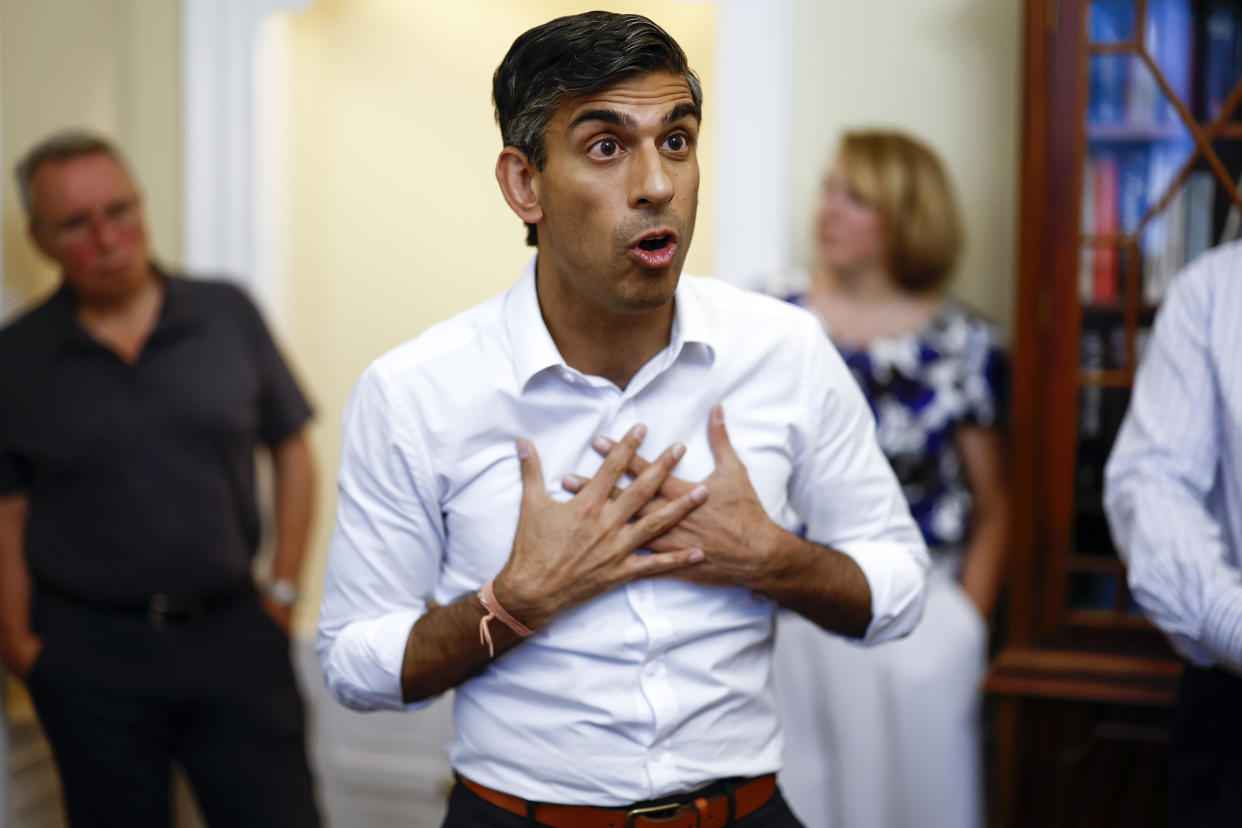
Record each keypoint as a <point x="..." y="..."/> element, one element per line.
<point x="1131" y="162"/>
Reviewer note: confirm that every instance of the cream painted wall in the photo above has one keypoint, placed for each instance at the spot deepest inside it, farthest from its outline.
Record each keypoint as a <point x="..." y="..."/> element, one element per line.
<point x="395" y="218"/>
<point x="109" y="65"/>
<point x="948" y="71"/>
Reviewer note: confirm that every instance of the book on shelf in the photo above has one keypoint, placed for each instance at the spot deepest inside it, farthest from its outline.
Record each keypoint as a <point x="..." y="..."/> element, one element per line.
<point x="1169" y="39"/>
<point x="1107" y="88"/>
<point x="1105" y="269"/>
<point x="1132" y="163"/>
<point x="1232" y="228"/>
<point x="1200" y="192"/>
<point x="1163" y="242"/>
<point x="1114" y="201"/>
<point x="1086" y="252"/>
<point x="1111" y="21"/>
<point x="1221" y="65"/>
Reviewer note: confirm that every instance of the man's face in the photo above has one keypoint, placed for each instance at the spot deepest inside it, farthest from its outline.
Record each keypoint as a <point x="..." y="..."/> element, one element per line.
<point x="87" y="217"/>
<point x="619" y="193"/>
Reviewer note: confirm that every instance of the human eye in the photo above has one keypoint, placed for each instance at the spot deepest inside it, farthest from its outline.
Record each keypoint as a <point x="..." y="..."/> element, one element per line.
<point x="73" y="225"/>
<point x="604" y="148"/>
<point x="678" y="142"/>
<point x="120" y="210"/>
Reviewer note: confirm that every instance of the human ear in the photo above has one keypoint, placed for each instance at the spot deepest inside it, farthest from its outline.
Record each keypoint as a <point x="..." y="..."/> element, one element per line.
<point x="519" y="183"/>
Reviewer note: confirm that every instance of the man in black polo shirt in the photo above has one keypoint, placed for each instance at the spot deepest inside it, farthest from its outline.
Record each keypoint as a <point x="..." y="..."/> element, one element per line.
<point x="131" y="407"/>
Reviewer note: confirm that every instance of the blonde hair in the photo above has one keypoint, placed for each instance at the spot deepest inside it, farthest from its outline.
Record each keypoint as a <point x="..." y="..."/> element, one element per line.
<point x="903" y="180"/>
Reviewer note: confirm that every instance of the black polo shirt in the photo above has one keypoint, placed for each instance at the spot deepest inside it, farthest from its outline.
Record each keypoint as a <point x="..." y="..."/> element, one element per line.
<point x="141" y="477"/>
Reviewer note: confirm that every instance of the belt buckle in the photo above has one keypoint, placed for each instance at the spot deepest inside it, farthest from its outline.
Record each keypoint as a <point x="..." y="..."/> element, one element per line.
<point x="635" y="813"/>
<point x="157" y="609"/>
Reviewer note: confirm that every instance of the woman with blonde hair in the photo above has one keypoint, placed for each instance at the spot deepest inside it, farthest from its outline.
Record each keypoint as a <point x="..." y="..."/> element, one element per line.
<point x="890" y="736"/>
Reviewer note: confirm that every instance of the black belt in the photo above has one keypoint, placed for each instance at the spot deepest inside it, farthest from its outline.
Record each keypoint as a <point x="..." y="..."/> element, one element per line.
<point x="159" y="608"/>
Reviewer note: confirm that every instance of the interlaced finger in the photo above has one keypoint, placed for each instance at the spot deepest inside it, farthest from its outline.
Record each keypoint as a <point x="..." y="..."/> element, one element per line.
<point x="617" y="458"/>
<point x="635" y="496"/>
<point x="659" y="521"/>
<point x="672" y="486"/>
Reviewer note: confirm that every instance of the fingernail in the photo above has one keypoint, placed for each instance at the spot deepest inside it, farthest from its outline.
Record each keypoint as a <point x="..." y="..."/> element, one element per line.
<point x="639" y="431"/>
<point x="695" y="555"/>
<point x="678" y="450"/>
<point x="569" y="482"/>
<point x="523" y="448"/>
<point x="699" y="494"/>
<point x="717" y="414"/>
<point x="602" y="443"/>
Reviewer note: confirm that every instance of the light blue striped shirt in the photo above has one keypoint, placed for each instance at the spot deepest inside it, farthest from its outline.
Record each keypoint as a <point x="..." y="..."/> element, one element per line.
<point x="1173" y="484"/>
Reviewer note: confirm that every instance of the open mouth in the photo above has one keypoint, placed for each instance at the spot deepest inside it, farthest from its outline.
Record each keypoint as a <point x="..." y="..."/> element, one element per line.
<point x="655" y="251"/>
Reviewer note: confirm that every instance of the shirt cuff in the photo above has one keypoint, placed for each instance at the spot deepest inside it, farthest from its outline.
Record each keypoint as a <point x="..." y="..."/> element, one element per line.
<point x="897" y="576"/>
<point x="362" y="667"/>
<point x="1222" y="631"/>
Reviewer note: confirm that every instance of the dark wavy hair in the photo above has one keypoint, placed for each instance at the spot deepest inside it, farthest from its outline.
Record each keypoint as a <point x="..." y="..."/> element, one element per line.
<point x="571" y="56"/>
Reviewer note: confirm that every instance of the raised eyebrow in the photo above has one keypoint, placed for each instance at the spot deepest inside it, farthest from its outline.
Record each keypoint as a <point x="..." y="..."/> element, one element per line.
<point x="607" y="116"/>
<point x="680" y="111"/>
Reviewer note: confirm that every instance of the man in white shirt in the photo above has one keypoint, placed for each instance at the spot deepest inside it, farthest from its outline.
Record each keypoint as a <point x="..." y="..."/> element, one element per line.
<point x="1173" y="493"/>
<point x="607" y="625"/>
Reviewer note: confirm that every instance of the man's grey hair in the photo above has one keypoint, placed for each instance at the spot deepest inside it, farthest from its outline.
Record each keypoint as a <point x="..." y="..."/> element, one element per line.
<point x="56" y="148"/>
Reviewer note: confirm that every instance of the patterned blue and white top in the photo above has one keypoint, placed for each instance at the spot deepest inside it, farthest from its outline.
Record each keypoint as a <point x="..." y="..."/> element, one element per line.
<point x="922" y="386"/>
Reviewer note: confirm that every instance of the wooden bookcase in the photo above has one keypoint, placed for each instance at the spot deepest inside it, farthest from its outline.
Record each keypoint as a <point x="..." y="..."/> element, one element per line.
<point x="1132" y="150"/>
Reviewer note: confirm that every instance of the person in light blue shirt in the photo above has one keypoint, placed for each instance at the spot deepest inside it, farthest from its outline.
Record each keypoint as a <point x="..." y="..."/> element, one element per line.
<point x="1173" y="494"/>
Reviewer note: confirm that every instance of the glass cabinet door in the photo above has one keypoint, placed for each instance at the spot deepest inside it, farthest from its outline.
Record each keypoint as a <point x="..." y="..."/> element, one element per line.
<point x="1161" y="150"/>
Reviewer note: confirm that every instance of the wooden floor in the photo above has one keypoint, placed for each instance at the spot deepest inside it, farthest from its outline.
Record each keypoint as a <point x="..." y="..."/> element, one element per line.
<point x="374" y="770"/>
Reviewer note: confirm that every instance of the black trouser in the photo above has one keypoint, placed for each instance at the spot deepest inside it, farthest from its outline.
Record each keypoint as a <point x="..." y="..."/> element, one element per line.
<point x="466" y="809"/>
<point x="121" y="700"/>
<point x="1205" y="758"/>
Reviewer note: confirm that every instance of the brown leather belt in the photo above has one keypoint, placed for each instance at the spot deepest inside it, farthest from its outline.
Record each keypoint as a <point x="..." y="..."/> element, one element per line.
<point x="700" y="812"/>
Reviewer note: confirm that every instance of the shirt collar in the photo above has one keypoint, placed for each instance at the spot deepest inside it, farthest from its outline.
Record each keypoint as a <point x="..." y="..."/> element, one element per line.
<point x="534" y="351"/>
<point x="178" y="313"/>
<point x="532" y="346"/>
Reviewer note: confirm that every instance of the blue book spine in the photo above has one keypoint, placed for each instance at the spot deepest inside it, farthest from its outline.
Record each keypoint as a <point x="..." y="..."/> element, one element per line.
<point x="1132" y="188"/>
<point x="1220" y="59"/>
<point x="1106" y="102"/>
<point x="1170" y="43"/>
<point x="1111" y="21"/>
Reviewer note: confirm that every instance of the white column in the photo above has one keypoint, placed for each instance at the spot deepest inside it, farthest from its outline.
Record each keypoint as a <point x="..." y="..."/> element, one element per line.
<point x="752" y="108"/>
<point x="230" y="189"/>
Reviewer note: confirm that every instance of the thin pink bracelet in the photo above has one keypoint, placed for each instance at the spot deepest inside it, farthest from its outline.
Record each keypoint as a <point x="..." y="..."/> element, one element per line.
<point x="494" y="610"/>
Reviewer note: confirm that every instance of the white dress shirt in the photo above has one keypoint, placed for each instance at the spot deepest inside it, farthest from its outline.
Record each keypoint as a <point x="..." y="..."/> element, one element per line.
<point x="655" y="687"/>
<point x="1173" y="484"/>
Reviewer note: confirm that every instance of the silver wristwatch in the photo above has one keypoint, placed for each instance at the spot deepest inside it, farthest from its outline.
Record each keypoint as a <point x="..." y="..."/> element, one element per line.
<point x="281" y="591"/>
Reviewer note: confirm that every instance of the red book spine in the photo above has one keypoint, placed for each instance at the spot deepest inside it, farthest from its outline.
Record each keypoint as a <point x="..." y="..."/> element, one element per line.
<point x="1107" y="261"/>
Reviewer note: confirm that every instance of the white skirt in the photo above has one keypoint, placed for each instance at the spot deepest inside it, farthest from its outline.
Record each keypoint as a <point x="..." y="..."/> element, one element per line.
<point x="887" y="736"/>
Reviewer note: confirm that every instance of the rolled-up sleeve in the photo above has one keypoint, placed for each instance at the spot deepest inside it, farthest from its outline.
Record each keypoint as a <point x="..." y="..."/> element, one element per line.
<point x="1160" y="481"/>
<point x="385" y="553"/>
<point x="847" y="495"/>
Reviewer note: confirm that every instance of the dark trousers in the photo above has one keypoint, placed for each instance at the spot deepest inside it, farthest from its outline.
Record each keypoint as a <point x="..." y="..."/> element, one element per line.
<point x="121" y="700"/>
<point x="466" y="809"/>
<point x="1205" y="757"/>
